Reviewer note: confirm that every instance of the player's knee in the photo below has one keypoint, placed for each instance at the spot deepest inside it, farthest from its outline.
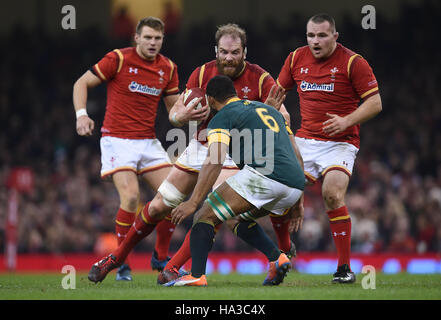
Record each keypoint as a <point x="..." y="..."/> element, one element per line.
<point x="207" y="216"/>
<point x="231" y="223"/>
<point x="333" y="199"/>
<point x="157" y="208"/>
<point x="171" y="196"/>
<point x="129" y="201"/>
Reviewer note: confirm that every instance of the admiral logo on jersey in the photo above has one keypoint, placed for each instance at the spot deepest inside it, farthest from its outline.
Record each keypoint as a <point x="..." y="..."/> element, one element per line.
<point x="136" y="87"/>
<point x="306" y="86"/>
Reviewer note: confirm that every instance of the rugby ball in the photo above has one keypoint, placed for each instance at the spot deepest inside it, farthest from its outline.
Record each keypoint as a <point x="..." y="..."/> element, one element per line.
<point x="193" y="94"/>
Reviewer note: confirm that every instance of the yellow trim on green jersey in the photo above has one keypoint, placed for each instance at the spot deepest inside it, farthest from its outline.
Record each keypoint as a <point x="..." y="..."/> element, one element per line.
<point x="219" y="135"/>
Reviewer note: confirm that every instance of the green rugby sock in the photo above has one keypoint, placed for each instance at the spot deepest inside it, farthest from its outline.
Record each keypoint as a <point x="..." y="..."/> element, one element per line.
<point x="253" y="234"/>
<point x="201" y="242"/>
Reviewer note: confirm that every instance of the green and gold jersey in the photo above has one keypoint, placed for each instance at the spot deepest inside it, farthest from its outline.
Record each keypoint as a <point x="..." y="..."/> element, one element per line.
<point x="257" y="136"/>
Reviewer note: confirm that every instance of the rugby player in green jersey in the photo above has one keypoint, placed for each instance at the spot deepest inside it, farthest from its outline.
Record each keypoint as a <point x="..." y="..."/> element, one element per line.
<point x="271" y="179"/>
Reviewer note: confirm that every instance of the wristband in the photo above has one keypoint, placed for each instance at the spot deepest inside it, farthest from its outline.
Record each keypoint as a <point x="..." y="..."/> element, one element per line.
<point x="81" y="112"/>
<point x="175" y="121"/>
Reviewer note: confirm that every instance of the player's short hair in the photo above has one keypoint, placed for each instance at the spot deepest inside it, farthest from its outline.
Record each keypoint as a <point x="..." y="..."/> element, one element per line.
<point x="322" y="17"/>
<point x="233" y="30"/>
<point x="221" y="88"/>
<point x="152" y="22"/>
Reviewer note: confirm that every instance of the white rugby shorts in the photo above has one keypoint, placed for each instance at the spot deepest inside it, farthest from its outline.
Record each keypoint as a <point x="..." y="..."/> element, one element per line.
<point x="262" y="191"/>
<point x="137" y="155"/>
<point x="193" y="157"/>
<point x="319" y="157"/>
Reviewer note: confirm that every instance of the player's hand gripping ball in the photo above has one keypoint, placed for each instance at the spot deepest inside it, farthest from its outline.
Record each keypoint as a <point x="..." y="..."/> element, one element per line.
<point x="192" y="95"/>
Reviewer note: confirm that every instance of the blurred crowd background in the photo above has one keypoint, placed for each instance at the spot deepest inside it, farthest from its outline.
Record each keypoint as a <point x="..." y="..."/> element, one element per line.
<point x="394" y="196"/>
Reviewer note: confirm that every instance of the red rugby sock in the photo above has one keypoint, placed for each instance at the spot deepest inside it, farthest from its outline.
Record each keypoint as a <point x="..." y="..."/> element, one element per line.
<point x="123" y="222"/>
<point x="141" y="228"/>
<point x="164" y="233"/>
<point x="340" y="223"/>
<point x="182" y="255"/>
<point x="281" y="225"/>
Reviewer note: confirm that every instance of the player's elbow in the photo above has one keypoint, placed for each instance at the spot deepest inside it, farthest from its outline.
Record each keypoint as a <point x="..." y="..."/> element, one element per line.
<point x="87" y="80"/>
<point x="375" y="104"/>
<point x="378" y="105"/>
<point x="80" y="84"/>
<point x="77" y="84"/>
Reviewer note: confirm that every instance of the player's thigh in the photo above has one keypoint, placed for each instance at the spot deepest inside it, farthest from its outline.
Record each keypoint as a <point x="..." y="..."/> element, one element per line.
<point x="184" y="181"/>
<point x="224" y="175"/>
<point x="173" y="190"/>
<point x="222" y="204"/>
<point x="156" y="177"/>
<point x="335" y="184"/>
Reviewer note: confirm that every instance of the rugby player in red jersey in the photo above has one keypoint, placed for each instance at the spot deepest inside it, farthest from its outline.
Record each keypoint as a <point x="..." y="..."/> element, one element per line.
<point x="331" y="81"/>
<point x="251" y="82"/>
<point x="136" y="77"/>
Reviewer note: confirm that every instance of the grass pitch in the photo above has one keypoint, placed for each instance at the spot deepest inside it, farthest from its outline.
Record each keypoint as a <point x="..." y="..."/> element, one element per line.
<point x="232" y="287"/>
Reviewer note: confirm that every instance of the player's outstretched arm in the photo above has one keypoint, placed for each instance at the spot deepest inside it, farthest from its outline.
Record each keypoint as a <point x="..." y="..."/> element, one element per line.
<point x="85" y="125"/>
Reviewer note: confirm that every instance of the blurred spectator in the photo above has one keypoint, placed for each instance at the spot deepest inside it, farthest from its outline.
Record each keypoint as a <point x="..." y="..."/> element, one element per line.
<point x="171" y="18"/>
<point x="123" y="27"/>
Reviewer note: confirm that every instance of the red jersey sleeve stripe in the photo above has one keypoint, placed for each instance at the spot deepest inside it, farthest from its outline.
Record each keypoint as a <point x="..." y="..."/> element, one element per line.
<point x="121" y="59"/>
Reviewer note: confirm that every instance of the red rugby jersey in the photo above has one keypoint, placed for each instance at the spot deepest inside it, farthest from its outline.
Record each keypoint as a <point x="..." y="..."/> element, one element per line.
<point x="253" y="83"/>
<point x="134" y="87"/>
<point x="334" y="85"/>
